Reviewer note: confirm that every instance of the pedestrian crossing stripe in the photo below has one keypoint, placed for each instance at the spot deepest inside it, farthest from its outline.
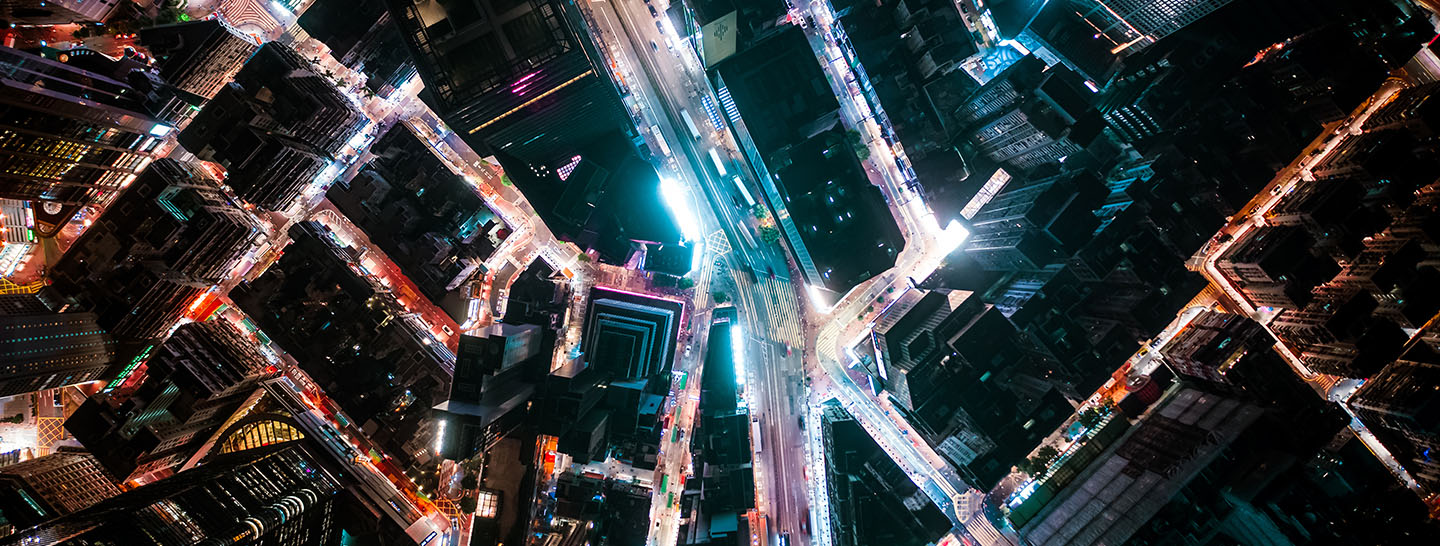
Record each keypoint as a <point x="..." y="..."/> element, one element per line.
<point x="718" y="243"/>
<point x="783" y="310"/>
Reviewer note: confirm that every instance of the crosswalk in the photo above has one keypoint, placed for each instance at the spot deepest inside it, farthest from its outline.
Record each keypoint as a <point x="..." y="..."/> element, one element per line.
<point x="716" y="247"/>
<point x="774" y="299"/>
<point x="825" y="341"/>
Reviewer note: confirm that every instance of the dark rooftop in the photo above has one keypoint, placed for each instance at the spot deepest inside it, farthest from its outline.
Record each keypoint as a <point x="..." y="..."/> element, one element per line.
<point x="630" y="335"/>
<point x="842" y="218"/>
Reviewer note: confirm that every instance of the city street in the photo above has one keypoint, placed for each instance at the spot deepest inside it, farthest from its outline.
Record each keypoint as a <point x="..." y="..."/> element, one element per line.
<point x="531" y="239"/>
<point x="62" y="37"/>
<point x="671" y="83"/>
<point x="926" y="247"/>
<point x="769" y="306"/>
<point x="1095" y="286"/>
<point x="380" y="478"/>
<point x="779" y="395"/>
<point x="682" y="408"/>
<point x="1285" y="181"/>
<point x="667" y="81"/>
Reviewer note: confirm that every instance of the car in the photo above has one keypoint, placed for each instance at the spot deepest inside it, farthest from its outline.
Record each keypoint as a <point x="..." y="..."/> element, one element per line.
<point x="654" y="47"/>
<point x="659" y="27"/>
<point x="446" y="328"/>
<point x="653" y="13"/>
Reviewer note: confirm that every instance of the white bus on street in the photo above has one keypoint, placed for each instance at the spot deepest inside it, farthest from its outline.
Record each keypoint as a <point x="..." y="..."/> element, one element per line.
<point x="744" y="192"/>
<point x="755" y="433"/>
<point x="660" y="140"/>
<point x="719" y="165"/>
<point x="690" y="124"/>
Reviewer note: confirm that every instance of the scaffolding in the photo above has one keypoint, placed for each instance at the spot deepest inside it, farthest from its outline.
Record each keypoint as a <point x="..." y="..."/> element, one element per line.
<point x="8" y="287"/>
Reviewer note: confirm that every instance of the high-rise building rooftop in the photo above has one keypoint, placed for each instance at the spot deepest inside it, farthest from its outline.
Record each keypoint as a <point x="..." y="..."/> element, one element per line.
<point x="630" y="335"/>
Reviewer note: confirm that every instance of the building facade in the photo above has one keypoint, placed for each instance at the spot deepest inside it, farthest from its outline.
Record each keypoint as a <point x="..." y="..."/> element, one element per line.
<point x="1400" y="403"/>
<point x="536" y="95"/>
<point x="17" y="234"/>
<point x="194" y="382"/>
<point x="278" y="495"/>
<point x="43" y="347"/>
<point x="72" y="136"/>
<point x="55" y="485"/>
<point x="1105" y="497"/>
<point x="198" y="57"/>
<point x="163" y="244"/>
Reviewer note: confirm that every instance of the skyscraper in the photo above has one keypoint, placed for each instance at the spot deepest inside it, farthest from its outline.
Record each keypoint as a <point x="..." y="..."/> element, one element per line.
<point x="266" y="170"/>
<point x="1399" y="404"/>
<point x="491" y="390"/>
<point x="50" y="12"/>
<point x="499" y="347"/>
<point x="362" y="35"/>
<point x="629" y="335"/>
<point x="274" y="128"/>
<point x="1149" y="20"/>
<point x="866" y="488"/>
<point x="1043" y="223"/>
<point x="519" y="77"/>
<point x="426" y="219"/>
<point x="278" y="495"/>
<point x="1093" y="36"/>
<point x="904" y="336"/>
<point x="1031" y="116"/>
<point x="198" y="57"/>
<point x="288" y="95"/>
<point x="1212" y="343"/>
<point x="955" y="368"/>
<point x="70" y="137"/>
<point x="486" y="402"/>
<point x="1264" y="264"/>
<point x="166" y="241"/>
<point x="193" y="384"/>
<point x="43" y="347"/>
<point x="1109" y="488"/>
<point x="57" y="484"/>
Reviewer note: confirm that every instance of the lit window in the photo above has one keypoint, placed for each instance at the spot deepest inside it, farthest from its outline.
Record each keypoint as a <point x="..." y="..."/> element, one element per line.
<point x="487" y="504"/>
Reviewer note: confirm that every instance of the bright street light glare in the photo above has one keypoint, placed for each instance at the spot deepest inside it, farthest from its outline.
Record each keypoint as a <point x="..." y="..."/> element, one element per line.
<point x="950" y="238"/>
<point x="697" y="254"/>
<point x="737" y="346"/>
<point x="677" y="201"/>
<point x="817" y="298"/>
